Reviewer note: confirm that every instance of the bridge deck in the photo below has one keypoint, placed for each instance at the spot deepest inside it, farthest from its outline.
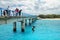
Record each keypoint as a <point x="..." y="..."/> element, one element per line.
<point x="10" y="19"/>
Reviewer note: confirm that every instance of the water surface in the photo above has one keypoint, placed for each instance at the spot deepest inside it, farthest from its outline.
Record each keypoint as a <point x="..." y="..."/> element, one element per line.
<point x="44" y="30"/>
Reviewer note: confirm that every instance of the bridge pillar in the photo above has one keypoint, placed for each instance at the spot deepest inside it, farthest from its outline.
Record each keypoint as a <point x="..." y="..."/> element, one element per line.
<point x="33" y="20"/>
<point x="14" y="26"/>
<point x="25" y="22"/>
<point x="23" y="25"/>
<point x="30" y="21"/>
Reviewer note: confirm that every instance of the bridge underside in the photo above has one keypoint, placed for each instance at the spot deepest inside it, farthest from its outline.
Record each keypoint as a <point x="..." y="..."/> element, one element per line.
<point x="11" y="19"/>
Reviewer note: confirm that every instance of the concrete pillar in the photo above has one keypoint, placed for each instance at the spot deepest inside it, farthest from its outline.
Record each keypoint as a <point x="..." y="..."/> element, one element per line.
<point x="29" y="21"/>
<point x="14" y="26"/>
<point x="33" y="20"/>
<point x="23" y="25"/>
<point x="25" y="22"/>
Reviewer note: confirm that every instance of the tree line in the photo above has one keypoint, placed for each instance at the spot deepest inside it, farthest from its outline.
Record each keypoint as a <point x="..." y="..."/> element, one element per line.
<point x="49" y="16"/>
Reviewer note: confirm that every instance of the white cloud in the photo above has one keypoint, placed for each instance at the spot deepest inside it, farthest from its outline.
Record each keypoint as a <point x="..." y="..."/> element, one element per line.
<point x="33" y="6"/>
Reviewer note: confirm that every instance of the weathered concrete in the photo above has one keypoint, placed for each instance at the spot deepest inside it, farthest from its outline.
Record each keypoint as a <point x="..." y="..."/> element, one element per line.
<point x="25" y="22"/>
<point x="14" y="27"/>
<point x="23" y="25"/>
<point x="8" y="19"/>
<point x="29" y="21"/>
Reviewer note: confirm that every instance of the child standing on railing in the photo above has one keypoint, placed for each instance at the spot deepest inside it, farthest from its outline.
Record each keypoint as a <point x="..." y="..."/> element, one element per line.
<point x="16" y="11"/>
<point x="20" y="12"/>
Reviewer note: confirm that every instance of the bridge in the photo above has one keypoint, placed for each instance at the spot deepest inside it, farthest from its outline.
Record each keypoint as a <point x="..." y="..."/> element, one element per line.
<point x="13" y="19"/>
<point x="8" y="19"/>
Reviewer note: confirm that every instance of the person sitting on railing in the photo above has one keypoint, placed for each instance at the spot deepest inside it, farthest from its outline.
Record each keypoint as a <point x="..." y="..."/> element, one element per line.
<point x="8" y="11"/>
<point x="20" y="12"/>
<point x="16" y="11"/>
<point x="4" y="13"/>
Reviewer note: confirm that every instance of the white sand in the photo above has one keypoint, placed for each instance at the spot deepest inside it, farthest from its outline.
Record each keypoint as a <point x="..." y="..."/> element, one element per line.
<point x="51" y="19"/>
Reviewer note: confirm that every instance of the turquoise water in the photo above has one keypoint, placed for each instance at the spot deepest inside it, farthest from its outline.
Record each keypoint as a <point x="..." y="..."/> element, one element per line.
<point x="44" y="30"/>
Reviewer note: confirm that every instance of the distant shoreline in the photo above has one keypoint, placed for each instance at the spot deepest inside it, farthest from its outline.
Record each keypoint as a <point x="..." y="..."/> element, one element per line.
<point x="50" y="18"/>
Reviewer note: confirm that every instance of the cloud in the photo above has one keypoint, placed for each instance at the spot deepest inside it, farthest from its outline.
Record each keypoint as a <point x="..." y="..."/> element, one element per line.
<point x="33" y="6"/>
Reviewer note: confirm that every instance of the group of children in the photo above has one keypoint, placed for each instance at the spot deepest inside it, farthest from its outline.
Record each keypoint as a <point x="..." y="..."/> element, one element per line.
<point x="17" y="12"/>
<point x="8" y="12"/>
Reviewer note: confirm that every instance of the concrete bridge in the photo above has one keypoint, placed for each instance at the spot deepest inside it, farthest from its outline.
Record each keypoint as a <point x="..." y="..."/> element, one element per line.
<point x="8" y="19"/>
<point x="14" y="19"/>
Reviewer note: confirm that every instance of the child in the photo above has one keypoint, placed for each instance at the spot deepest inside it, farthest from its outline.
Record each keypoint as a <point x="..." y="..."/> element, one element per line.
<point x="20" y="12"/>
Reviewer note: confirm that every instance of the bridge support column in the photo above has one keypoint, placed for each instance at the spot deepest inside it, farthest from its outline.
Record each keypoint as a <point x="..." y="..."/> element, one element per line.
<point x="33" y="20"/>
<point x="23" y="25"/>
<point x="25" y="22"/>
<point x="14" y="26"/>
<point x="30" y="21"/>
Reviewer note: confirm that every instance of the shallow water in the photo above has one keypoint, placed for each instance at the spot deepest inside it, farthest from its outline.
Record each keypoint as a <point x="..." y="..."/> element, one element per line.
<point x="44" y="30"/>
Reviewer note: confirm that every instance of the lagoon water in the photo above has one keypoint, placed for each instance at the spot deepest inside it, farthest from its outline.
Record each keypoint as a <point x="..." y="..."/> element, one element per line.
<point x="44" y="30"/>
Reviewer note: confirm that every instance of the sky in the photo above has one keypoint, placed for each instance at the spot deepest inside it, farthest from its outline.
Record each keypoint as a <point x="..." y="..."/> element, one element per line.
<point x="34" y="7"/>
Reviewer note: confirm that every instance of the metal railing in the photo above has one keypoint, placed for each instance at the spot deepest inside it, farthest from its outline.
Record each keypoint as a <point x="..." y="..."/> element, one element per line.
<point x="10" y="13"/>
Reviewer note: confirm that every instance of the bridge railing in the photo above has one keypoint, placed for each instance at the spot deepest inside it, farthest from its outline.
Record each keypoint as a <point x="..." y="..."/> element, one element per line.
<point x="10" y="13"/>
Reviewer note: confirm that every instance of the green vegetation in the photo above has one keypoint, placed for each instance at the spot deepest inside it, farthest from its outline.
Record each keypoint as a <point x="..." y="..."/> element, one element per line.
<point x="49" y="16"/>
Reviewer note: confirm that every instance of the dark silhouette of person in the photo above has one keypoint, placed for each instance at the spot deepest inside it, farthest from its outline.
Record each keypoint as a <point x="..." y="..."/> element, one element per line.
<point x="20" y="12"/>
<point x="8" y="11"/>
<point x="33" y="28"/>
<point x="5" y="13"/>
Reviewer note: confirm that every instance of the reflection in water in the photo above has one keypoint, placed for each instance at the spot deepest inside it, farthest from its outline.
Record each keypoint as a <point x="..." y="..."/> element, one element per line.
<point x="3" y="21"/>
